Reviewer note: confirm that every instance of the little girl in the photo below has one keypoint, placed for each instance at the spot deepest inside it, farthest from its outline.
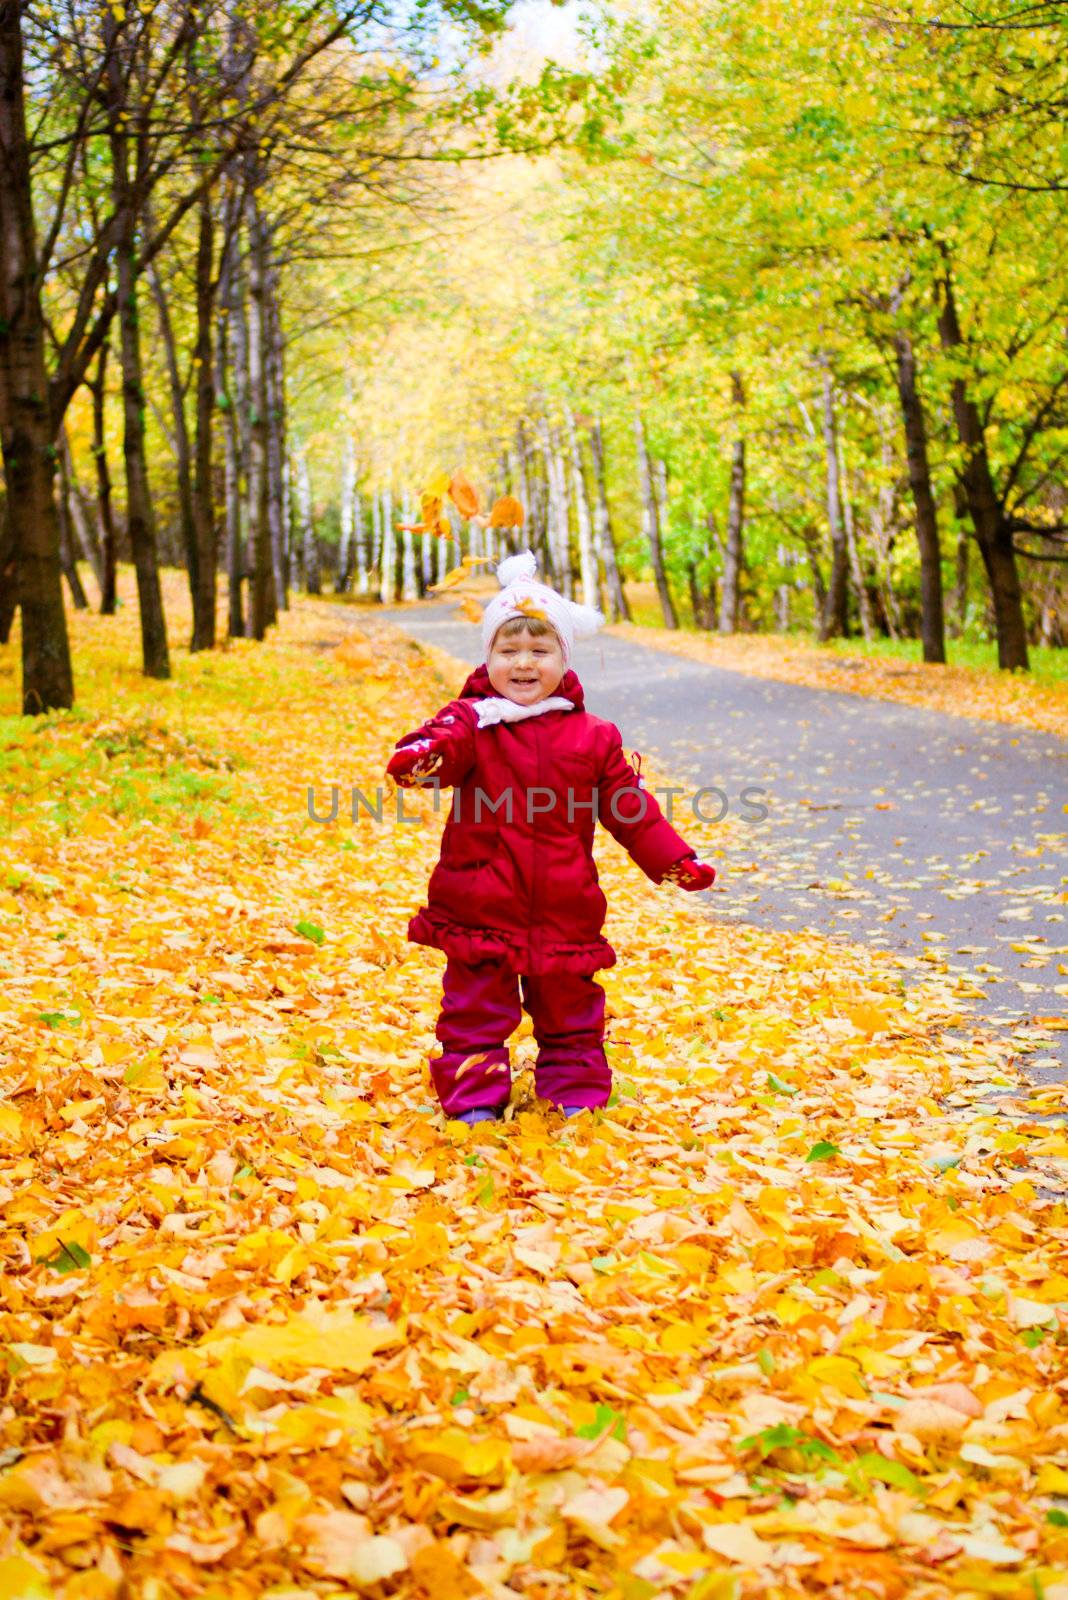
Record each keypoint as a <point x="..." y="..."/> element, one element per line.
<point x="515" y="891"/>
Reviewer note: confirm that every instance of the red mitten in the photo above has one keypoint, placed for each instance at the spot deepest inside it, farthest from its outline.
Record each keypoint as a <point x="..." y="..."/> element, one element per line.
<point x="412" y="765"/>
<point x="689" y="873"/>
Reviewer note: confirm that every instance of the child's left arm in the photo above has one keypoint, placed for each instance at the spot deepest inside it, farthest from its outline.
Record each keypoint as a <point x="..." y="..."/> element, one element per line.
<point x="631" y="815"/>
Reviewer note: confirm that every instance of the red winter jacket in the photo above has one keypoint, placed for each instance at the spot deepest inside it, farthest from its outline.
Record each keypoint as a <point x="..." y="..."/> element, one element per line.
<point x="525" y="891"/>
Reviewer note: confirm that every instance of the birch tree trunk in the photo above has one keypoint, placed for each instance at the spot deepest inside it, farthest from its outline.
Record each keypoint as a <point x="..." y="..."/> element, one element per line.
<point x="309" y="543"/>
<point x="591" y="595"/>
<point x="834" y="618"/>
<point x="856" y="567"/>
<point x="442" y="554"/>
<point x="376" y="537"/>
<point x="883" y="529"/>
<point x="932" y="611"/>
<point x="388" y="586"/>
<point x="359" y="522"/>
<point x="651" y="522"/>
<point x="734" y="549"/>
<point x="348" y="517"/>
<point x="557" y="522"/>
<point x="603" y="533"/>
<point x="409" y="587"/>
<point x="260" y="607"/>
<point x="30" y="570"/>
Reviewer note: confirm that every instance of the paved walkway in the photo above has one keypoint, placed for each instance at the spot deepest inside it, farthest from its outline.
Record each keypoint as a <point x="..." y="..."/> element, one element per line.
<point x="915" y="831"/>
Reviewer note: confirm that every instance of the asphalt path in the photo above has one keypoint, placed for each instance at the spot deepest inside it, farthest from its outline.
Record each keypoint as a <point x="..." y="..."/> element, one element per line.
<point x="941" y="839"/>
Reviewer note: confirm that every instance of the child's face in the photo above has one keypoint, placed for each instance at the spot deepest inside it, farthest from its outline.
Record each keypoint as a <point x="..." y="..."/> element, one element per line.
<point x="524" y="667"/>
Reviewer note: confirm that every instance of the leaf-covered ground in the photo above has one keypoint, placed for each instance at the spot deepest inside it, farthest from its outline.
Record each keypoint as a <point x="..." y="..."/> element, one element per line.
<point x="789" y="1318"/>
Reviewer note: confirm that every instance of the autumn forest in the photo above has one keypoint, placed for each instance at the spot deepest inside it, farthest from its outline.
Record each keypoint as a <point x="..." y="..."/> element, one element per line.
<point x="749" y="321"/>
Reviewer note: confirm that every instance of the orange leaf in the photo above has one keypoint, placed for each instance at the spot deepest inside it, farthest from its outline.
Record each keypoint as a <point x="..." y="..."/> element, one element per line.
<point x="507" y="513"/>
<point x="463" y="496"/>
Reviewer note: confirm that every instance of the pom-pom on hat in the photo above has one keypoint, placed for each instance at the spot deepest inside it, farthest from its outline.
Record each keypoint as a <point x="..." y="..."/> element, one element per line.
<point x="517" y="576"/>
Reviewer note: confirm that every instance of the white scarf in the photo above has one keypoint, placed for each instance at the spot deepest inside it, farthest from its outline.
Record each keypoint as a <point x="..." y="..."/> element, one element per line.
<point x="492" y="710"/>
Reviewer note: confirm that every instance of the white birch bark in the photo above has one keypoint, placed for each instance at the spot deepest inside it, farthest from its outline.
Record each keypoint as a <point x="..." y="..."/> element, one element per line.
<point x="388" y="586"/>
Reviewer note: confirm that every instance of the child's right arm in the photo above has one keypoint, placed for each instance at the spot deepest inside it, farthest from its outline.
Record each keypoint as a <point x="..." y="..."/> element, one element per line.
<point x="443" y="746"/>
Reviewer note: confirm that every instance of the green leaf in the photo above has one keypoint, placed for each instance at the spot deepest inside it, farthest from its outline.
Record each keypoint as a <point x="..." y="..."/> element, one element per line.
<point x="605" y="1419"/>
<point x="460" y="1398"/>
<point x="779" y="1437"/>
<point x="310" y="930"/>
<point x="822" y="1151"/>
<point x="779" y="1084"/>
<point x="766" y="1362"/>
<point x="1057" y="1518"/>
<point x="59" y="1019"/>
<point x="68" y="1258"/>
<point x="485" y="1194"/>
<point x="894" y="1473"/>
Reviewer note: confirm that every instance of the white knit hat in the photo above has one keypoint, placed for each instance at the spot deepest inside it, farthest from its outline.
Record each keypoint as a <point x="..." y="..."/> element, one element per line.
<point x="517" y="577"/>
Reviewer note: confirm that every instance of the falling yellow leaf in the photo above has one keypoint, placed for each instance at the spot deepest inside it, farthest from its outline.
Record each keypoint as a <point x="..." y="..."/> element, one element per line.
<point x="463" y="496"/>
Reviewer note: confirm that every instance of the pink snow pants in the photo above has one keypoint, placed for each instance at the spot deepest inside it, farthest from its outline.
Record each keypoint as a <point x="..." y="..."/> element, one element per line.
<point x="479" y="1009"/>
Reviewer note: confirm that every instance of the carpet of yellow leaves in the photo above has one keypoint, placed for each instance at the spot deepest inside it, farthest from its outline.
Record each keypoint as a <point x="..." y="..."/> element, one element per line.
<point x="957" y="690"/>
<point x="789" y="1318"/>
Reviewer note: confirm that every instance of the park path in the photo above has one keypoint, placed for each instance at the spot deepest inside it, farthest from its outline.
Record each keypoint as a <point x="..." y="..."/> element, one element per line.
<point x="931" y="836"/>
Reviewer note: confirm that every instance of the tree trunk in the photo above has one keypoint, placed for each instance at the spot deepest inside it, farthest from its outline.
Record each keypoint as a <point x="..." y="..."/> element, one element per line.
<point x="819" y="588"/>
<point x="348" y="517"/>
<point x="84" y="539"/>
<point x="388" y="574"/>
<point x="31" y="570"/>
<point x="140" y="515"/>
<point x="734" y="552"/>
<point x="260" y="598"/>
<point x="376" y="537"/>
<point x="702" y="601"/>
<point x="651" y="522"/>
<point x="359" y="529"/>
<point x="960" y="588"/>
<point x="233" y="398"/>
<point x="932" y="611"/>
<point x="834" y="619"/>
<point x="105" y="514"/>
<point x="313" y="580"/>
<point x="66" y="544"/>
<point x="556" y="510"/>
<point x="603" y="533"/>
<point x="409" y="587"/>
<point x="444" y="546"/>
<point x="856" y="566"/>
<point x="591" y="594"/>
<point x="992" y="532"/>
<point x="274" y="376"/>
<point x="9" y="602"/>
<point x="182" y="451"/>
<point x="204" y="536"/>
